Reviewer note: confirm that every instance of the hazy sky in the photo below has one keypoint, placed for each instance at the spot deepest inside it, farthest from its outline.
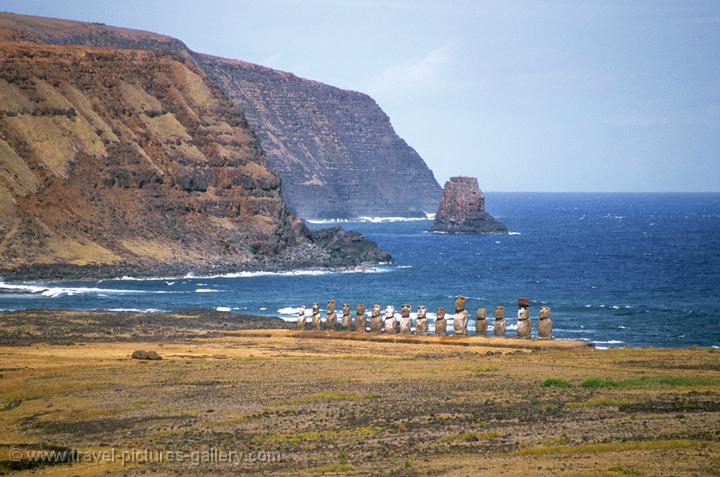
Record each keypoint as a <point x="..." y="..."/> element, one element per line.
<point x="526" y="95"/>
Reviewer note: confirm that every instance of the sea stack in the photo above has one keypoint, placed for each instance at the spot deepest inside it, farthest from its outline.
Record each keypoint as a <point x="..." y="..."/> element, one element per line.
<point x="462" y="210"/>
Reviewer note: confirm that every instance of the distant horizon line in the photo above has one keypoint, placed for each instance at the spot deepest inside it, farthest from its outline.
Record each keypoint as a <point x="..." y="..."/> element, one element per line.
<point x="593" y="192"/>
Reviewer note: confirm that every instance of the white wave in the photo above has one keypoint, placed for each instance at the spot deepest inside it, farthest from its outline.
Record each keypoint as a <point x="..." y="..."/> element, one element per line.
<point x="138" y="310"/>
<point x="611" y="342"/>
<point x="299" y="273"/>
<point x="514" y="233"/>
<point x="54" y="292"/>
<point x="290" y="310"/>
<point x="374" y="220"/>
<point x="206" y="290"/>
<point x="223" y="308"/>
<point x="262" y="308"/>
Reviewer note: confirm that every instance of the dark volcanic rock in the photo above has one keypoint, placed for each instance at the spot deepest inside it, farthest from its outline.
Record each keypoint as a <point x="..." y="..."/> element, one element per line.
<point x="462" y="209"/>
<point x="149" y="355"/>
<point x="341" y="244"/>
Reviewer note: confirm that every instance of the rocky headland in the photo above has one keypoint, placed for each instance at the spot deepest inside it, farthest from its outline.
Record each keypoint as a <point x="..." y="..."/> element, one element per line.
<point x="335" y="150"/>
<point x="116" y="159"/>
<point x="462" y="210"/>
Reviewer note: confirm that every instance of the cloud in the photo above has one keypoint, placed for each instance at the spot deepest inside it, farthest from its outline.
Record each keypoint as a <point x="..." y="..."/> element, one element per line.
<point x="417" y="76"/>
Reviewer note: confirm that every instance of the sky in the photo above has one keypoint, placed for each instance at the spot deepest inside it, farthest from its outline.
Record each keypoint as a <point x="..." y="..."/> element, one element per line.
<point x="568" y="95"/>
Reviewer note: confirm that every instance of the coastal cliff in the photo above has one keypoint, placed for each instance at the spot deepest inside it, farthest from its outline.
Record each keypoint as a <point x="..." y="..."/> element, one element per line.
<point x="335" y="150"/>
<point x="462" y="209"/>
<point x="131" y="160"/>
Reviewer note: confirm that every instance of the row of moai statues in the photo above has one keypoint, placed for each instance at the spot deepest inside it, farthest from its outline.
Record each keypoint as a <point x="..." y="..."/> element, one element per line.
<point x="388" y="323"/>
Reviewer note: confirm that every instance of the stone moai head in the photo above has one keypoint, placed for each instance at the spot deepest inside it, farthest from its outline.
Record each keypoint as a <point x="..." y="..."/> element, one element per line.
<point x="405" y="311"/>
<point x="376" y="310"/>
<point x="481" y="313"/>
<point x="499" y="312"/>
<point x="346" y="308"/>
<point x="331" y="306"/>
<point x="523" y="302"/>
<point x="459" y="303"/>
<point x="301" y="310"/>
<point x="421" y="311"/>
<point x="360" y="309"/>
<point x="389" y="311"/>
<point x="440" y="313"/>
<point x="544" y="312"/>
<point x="316" y="308"/>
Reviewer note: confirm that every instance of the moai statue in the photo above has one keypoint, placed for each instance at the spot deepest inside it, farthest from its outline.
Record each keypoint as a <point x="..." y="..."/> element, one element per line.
<point x="499" y="325"/>
<point x="360" y="317"/>
<point x="460" y="319"/>
<point x="316" y="316"/>
<point x="545" y="324"/>
<point x="421" y="322"/>
<point x="331" y="316"/>
<point x="524" y="325"/>
<point x="390" y="321"/>
<point x="405" y="321"/>
<point x="481" y="322"/>
<point x="375" y="319"/>
<point x="301" y="318"/>
<point x="346" y="319"/>
<point x="440" y="322"/>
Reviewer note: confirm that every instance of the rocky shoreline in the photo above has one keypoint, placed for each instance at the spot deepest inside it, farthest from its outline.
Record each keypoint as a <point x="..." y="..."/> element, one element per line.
<point x="327" y="249"/>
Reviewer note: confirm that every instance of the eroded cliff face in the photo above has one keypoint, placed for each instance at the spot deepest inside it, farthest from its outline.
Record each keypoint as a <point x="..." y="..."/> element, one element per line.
<point x="462" y="209"/>
<point x="133" y="158"/>
<point x="335" y="150"/>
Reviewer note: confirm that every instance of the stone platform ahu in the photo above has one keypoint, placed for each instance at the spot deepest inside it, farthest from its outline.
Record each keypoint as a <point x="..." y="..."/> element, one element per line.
<point x="462" y="210"/>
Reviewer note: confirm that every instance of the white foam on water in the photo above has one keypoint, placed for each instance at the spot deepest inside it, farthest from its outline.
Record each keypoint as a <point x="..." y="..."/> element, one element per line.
<point x="223" y="308"/>
<point x="54" y="292"/>
<point x="374" y="220"/>
<point x="206" y="290"/>
<point x="514" y="233"/>
<point x="611" y="342"/>
<point x="262" y="308"/>
<point x="138" y="310"/>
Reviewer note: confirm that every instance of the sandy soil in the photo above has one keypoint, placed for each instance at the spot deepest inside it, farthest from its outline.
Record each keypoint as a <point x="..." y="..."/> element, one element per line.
<point x="278" y="402"/>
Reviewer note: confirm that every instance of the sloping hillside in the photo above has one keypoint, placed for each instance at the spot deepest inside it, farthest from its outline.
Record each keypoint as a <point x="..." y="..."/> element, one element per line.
<point x="133" y="158"/>
<point x="335" y="150"/>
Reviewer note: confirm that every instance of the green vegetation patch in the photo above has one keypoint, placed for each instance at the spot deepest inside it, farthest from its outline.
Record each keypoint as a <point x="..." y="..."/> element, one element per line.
<point x="652" y="381"/>
<point x="611" y="447"/>
<point x="556" y="383"/>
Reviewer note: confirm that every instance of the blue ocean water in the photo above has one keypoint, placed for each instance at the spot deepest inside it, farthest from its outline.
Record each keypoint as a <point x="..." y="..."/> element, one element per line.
<point x="616" y="269"/>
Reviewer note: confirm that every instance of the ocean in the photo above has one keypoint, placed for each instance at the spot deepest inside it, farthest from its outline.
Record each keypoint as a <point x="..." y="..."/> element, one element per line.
<point x="616" y="269"/>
